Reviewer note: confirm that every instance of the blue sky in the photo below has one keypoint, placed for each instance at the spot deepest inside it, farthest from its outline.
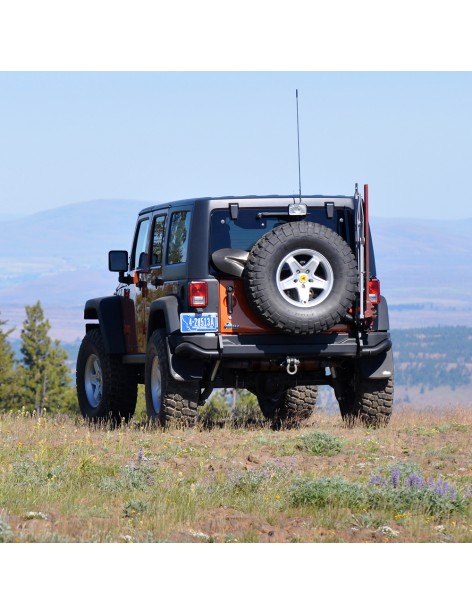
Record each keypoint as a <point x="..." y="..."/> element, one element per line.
<point x="72" y="136"/>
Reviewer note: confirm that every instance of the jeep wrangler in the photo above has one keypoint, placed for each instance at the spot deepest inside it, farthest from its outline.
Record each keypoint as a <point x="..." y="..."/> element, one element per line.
<point x="275" y="294"/>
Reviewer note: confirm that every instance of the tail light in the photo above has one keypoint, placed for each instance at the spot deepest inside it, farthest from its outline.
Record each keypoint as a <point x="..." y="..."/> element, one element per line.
<point x="198" y="294"/>
<point x="374" y="291"/>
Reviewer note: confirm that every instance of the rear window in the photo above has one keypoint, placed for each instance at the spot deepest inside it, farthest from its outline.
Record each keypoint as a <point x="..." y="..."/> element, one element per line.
<point x="248" y="228"/>
<point x="178" y="237"/>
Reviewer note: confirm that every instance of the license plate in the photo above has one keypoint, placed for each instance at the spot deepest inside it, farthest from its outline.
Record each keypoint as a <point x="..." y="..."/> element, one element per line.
<point x="198" y="322"/>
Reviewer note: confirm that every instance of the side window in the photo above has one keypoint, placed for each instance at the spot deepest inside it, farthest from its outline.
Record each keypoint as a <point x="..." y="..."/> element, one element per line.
<point x="178" y="237"/>
<point x="158" y="240"/>
<point x="140" y="250"/>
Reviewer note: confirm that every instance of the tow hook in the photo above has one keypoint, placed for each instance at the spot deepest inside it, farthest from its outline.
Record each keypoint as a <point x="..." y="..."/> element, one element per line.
<point x="292" y="365"/>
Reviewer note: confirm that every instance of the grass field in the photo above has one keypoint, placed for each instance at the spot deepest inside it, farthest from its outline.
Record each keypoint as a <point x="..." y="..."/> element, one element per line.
<point x="61" y="481"/>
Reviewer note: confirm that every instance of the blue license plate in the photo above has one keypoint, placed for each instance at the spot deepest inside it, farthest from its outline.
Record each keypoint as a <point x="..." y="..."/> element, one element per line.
<point x="198" y="322"/>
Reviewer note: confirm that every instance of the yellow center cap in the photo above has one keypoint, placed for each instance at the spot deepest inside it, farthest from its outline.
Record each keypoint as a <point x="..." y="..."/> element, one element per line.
<point x="303" y="278"/>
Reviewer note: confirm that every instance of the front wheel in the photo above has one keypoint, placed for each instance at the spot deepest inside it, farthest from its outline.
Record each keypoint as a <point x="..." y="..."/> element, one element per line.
<point x="290" y="409"/>
<point x="106" y="389"/>
<point x="167" y="401"/>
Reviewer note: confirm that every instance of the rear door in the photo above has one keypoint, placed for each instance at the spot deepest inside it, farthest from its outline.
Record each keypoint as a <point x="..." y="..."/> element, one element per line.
<point x="154" y="278"/>
<point x="175" y="255"/>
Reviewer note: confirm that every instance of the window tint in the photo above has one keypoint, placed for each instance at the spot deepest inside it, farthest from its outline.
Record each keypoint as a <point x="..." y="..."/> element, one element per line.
<point x="241" y="233"/>
<point x="140" y="251"/>
<point x="249" y="228"/>
<point x="158" y="240"/>
<point x="178" y="237"/>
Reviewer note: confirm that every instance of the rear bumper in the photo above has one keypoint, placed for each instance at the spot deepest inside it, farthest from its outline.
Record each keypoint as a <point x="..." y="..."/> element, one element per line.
<point x="258" y="347"/>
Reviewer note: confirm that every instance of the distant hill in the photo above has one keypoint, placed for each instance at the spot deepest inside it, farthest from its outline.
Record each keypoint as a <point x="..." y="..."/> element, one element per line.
<point x="59" y="256"/>
<point x="66" y="238"/>
<point x="424" y="261"/>
<point x="424" y="270"/>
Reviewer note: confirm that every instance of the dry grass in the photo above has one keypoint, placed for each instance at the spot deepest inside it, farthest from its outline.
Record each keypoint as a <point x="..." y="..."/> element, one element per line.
<point x="61" y="481"/>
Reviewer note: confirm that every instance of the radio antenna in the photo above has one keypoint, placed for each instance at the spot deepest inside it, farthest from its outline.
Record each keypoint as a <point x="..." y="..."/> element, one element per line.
<point x="298" y="140"/>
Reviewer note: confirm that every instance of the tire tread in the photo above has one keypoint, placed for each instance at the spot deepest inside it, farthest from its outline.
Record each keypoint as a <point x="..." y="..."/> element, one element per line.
<point x="179" y="402"/>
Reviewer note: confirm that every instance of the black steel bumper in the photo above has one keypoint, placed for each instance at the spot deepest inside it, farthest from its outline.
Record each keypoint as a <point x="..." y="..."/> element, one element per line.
<point x="256" y="347"/>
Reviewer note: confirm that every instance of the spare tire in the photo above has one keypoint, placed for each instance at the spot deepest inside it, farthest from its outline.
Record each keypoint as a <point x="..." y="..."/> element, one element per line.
<point x="301" y="278"/>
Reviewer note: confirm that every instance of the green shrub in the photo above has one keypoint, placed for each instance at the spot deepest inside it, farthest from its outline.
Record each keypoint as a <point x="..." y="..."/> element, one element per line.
<point x="320" y="444"/>
<point x="396" y="494"/>
<point x="216" y="410"/>
<point x="246" y="408"/>
<point x="325" y="492"/>
<point x="134" y="508"/>
<point x="129" y="478"/>
<point x="6" y="534"/>
<point x="32" y="473"/>
<point x="409" y="491"/>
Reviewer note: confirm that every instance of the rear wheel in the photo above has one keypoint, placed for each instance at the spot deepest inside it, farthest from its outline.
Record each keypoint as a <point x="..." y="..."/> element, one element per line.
<point x="167" y="401"/>
<point x="365" y="401"/>
<point x="106" y="389"/>
<point x="290" y="409"/>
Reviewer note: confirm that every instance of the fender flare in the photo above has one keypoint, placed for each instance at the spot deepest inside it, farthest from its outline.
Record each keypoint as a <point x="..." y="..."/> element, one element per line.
<point x="108" y="311"/>
<point x="164" y="313"/>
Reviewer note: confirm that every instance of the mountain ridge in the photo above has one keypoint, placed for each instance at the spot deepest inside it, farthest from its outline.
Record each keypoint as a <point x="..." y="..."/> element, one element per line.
<point x="59" y="256"/>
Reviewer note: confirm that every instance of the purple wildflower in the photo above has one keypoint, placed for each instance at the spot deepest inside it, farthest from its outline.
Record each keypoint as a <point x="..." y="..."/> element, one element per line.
<point x="415" y="481"/>
<point x="441" y="488"/>
<point x="395" y="477"/>
<point x="140" y="455"/>
<point x="376" y="480"/>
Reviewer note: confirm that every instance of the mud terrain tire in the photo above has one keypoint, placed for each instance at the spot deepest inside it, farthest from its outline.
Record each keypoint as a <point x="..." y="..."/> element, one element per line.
<point x="365" y="401"/>
<point x="167" y="401"/>
<point x="301" y="278"/>
<point x="106" y="389"/>
<point x="291" y="409"/>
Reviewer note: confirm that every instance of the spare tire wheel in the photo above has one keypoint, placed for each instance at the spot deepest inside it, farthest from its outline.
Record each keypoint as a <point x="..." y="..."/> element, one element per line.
<point x="301" y="278"/>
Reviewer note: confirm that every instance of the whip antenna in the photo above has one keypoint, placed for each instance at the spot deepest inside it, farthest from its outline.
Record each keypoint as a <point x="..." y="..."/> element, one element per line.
<point x="298" y="140"/>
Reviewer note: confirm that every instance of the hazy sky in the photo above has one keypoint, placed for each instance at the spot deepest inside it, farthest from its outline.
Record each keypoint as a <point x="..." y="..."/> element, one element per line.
<point x="70" y="137"/>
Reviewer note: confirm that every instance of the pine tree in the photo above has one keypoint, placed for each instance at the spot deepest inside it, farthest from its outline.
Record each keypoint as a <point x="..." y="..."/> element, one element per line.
<point x="60" y="396"/>
<point x="246" y="407"/>
<point x="7" y="371"/>
<point x="43" y="375"/>
<point x="216" y="410"/>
